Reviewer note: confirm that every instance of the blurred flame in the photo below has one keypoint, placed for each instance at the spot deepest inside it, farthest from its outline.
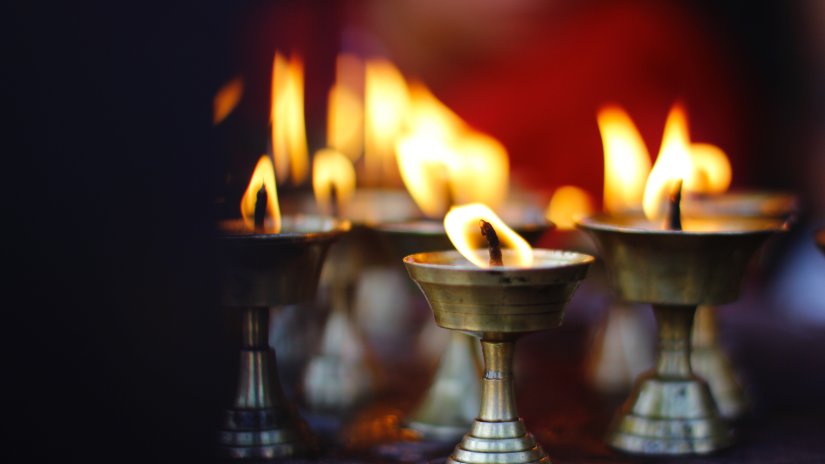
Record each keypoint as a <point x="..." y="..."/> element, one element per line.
<point x="264" y="174"/>
<point x="332" y="169"/>
<point x="425" y="172"/>
<point x="226" y="99"/>
<point x="567" y="205"/>
<point x="443" y="161"/>
<point x="626" y="160"/>
<point x="462" y="226"/>
<point x="289" y="145"/>
<point x="345" y="115"/>
<point x="385" y="108"/>
<point x="711" y="169"/>
<point x="673" y="164"/>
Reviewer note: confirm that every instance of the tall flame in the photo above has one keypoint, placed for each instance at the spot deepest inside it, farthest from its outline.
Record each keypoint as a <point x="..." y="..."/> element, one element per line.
<point x="263" y="175"/>
<point x="672" y="165"/>
<point x="444" y="162"/>
<point x="345" y="115"/>
<point x="289" y="145"/>
<point x="626" y="160"/>
<point x="385" y="108"/>
<point x="462" y="226"/>
<point x="331" y="169"/>
<point x="567" y="205"/>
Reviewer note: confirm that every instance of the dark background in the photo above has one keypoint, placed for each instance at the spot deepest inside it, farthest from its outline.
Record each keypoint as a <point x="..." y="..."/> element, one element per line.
<point x="115" y="349"/>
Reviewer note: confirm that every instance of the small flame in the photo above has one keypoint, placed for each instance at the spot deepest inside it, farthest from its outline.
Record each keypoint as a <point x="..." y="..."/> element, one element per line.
<point x="461" y="224"/>
<point x="386" y="99"/>
<point x="711" y="169"/>
<point x="444" y="162"/>
<point x="264" y="175"/>
<point x="567" y="205"/>
<point x="332" y="169"/>
<point x="226" y="99"/>
<point x="289" y="145"/>
<point x="672" y="165"/>
<point x="626" y="160"/>
<point x="345" y="115"/>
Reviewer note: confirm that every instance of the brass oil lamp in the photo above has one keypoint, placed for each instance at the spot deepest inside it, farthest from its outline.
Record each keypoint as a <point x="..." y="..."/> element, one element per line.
<point x="267" y="261"/>
<point x="708" y="358"/>
<point x="671" y="410"/>
<point x="497" y="304"/>
<point x="450" y="403"/>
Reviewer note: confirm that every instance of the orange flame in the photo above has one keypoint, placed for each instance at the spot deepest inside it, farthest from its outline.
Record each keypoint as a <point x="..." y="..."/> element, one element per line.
<point x="567" y="205"/>
<point x="263" y="175"/>
<point x="461" y="224"/>
<point x="332" y="169"/>
<point x="672" y="165"/>
<point x="289" y="145"/>
<point x="443" y="161"/>
<point x="345" y="115"/>
<point x="711" y="169"/>
<point x="385" y="108"/>
<point x="626" y="160"/>
<point x="226" y="99"/>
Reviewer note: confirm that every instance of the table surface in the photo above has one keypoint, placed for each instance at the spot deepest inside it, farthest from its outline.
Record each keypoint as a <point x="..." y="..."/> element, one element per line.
<point x="781" y="362"/>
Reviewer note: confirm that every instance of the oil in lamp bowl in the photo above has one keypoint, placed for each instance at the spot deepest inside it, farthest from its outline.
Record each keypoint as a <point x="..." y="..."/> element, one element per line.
<point x="498" y="305"/>
<point x="671" y="411"/>
<point x="261" y="270"/>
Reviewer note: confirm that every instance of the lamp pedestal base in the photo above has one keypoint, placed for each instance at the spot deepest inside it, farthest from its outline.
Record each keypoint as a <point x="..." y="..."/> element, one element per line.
<point x="498" y="435"/>
<point x="671" y="411"/>
<point x="261" y="424"/>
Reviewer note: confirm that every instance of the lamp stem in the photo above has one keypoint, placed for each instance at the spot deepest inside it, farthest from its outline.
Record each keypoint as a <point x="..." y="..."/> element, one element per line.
<point x="257" y="367"/>
<point x="675" y="323"/>
<point x="498" y="401"/>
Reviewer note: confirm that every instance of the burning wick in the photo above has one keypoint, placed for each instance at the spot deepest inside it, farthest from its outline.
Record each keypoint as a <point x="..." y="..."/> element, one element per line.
<point x="494" y="246"/>
<point x="260" y="207"/>
<point x="674" y="218"/>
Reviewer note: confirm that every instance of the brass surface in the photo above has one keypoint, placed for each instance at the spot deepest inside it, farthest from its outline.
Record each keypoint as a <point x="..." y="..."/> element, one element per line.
<point x="498" y="305"/>
<point x="274" y="269"/>
<point x="439" y="416"/>
<point x="678" y="267"/>
<point x="710" y="362"/>
<point x="671" y="410"/>
<point x="259" y="271"/>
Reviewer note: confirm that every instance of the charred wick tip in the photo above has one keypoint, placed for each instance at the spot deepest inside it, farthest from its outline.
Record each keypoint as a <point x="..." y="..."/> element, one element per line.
<point x="489" y="233"/>
<point x="674" y="217"/>
<point x="260" y="207"/>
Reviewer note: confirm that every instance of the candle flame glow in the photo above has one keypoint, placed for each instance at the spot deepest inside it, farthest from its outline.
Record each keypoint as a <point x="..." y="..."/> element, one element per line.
<point x="673" y="164"/>
<point x="626" y="160"/>
<point x="345" y="115"/>
<point x="567" y="205"/>
<point x="286" y="117"/>
<point x="332" y="169"/>
<point x="443" y="161"/>
<point x="386" y="99"/>
<point x="462" y="226"/>
<point x="263" y="175"/>
<point x="226" y="99"/>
